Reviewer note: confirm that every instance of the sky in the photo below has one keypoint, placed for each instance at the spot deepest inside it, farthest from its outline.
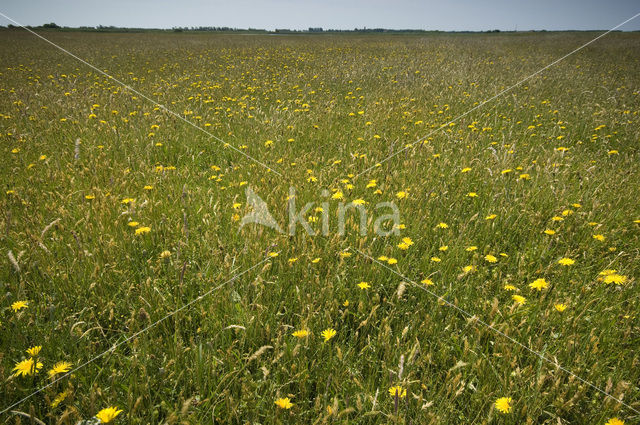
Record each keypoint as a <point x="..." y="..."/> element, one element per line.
<point x="457" y="15"/>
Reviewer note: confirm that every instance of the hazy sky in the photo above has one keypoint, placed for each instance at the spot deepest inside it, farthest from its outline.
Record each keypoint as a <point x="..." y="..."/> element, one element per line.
<point x="340" y="14"/>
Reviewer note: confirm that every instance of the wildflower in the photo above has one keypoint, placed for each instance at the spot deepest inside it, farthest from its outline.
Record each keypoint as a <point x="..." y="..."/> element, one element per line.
<point x="127" y="201"/>
<point x="443" y="248"/>
<point x="471" y="248"/>
<point x="472" y="195"/>
<point x="509" y="287"/>
<point x="133" y="224"/>
<point x="19" y="305"/>
<point x="107" y="415"/>
<point x="165" y="254"/>
<point x="465" y="170"/>
<point x="566" y="262"/>
<point x="328" y="333"/>
<point x="503" y="404"/>
<point x="392" y="261"/>
<point x="519" y="299"/>
<point x="397" y="391"/>
<point x="60" y="367"/>
<point x="364" y="285"/>
<point x="301" y="333"/>
<point x="284" y="403"/>
<point x="490" y="258"/>
<point x="345" y="254"/>
<point x="436" y="259"/>
<point x="599" y="237"/>
<point x="401" y="195"/>
<point x="59" y="399"/>
<point x="490" y="217"/>
<point x="34" y="351"/>
<point x="427" y="282"/>
<point x="358" y="202"/>
<point x="143" y="230"/>
<point x="614" y="421"/>
<point x="443" y="225"/>
<point x="560" y="307"/>
<point x="539" y="284"/>
<point x="407" y="241"/>
<point x="337" y="195"/>
<point x="467" y="269"/>
<point x="89" y="197"/>
<point x="618" y="279"/>
<point x="27" y="367"/>
<point x="550" y="232"/>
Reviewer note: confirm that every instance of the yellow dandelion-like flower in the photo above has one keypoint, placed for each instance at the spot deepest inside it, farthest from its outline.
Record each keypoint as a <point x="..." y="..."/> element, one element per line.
<point x="107" y="415"/>
<point x="599" y="237"/>
<point x="614" y="421"/>
<point x="509" y="287"/>
<point x="560" y="307"/>
<point x="443" y="225"/>
<point x="143" y="230"/>
<point x="27" y="367"/>
<point x="490" y="258"/>
<point x="427" y="282"/>
<point x="397" y="391"/>
<point x="436" y="259"/>
<point x="34" y="351"/>
<point x="490" y="217"/>
<point x="60" y="367"/>
<point x="618" y="279"/>
<point x="301" y="333"/>
<point x="503" y="404"/>
<point x="337" y="195"/>
<point x="401" y="195"/>
<point x="519" y="299"/>
<point x="165" y="254"/>
<point x="566" y="262"/>
<point x="539" y="284"/>
<point x="550" y="232"/>
<point x="392" y="261"/>
<point x="468" y="269"/>
<point x="59" y="399"/>
<point x="364" y="285"/>
<point x="328" y="333"/>
<point x="19" y="305"/>
<point x="471" y="248"/>
<point x="284" y="403"/>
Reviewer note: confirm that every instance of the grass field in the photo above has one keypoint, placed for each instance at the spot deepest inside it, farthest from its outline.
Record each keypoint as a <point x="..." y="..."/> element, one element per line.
<point x="523" y="213"/>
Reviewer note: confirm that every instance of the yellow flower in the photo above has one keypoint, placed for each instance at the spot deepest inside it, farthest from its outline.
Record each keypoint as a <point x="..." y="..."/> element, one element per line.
<point x="392" y="261"/>
<point x="490" y="258"/>
<point x="550" y="232"/>
<point x="539" y="284"/>
<point x="508" y="287"/>
<point x="107" y="415"/>
<point x="397" y="391"/>
<point x="328" y="333"/>
<point x="465" y="170"/>
<point x="60" y="367"/>
<point x="490" y="217"/>
<point x="618" y="279"/>
<point x="165" y="254"/>
<point x="143" y="230"/>
<point x="443" y="248"/>
<point x="519" y="299"/>
<point x="472" y="195"/>
<point x="133" y="224"/>
<point x="436" y="259"/>
<point x="19" y="305"/>
<point x="401" y="195"/>
<point x="284" y="403"/>
<point x="566" y="261"/>
<point x="471" y="248"/>
<point x="443" y="225"/>
<point x="503" y="404"/>
<point x="34" y="351"/>
<point x="364" y="285"/>
<point x="27" y="367"/>
<point x="467" y="269"/>
<point x="127" y="201"/>
<point x="614" y="421"/>
<point x="337" y="195"/>
<point x="599" y="237"/>
<point x="89" y="197"/>
<point x="59" y="399"/>
<point x="427" y="282"/>
<point x="560" y="307"/>
<point x="301" y="333"/>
